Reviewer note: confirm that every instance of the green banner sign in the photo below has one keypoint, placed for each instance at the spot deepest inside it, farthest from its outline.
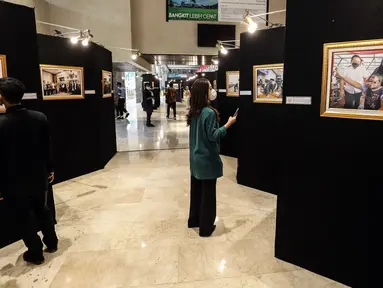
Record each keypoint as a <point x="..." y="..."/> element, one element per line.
<point x="195" y="10"/>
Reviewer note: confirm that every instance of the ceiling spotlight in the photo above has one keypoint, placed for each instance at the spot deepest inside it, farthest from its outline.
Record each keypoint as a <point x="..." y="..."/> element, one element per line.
<point x="134" y="56"/>
<point x="85" y="42"/>
<point x="215" y="61"/>
<point x="203" y="74"/>
<point x="224" y="50"/>
<point x="252" y="26"/>
<point x="74" y="40"/>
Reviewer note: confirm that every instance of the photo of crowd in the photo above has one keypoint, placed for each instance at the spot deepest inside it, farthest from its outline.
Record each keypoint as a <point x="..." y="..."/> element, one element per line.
<point x="354" y="79"/>
<point x="3" y="73"/>
<point x="268" y="83"/>
<point x="60" y="83"/>
<point x="107" y="79"/>
<point x="232" y="83"/>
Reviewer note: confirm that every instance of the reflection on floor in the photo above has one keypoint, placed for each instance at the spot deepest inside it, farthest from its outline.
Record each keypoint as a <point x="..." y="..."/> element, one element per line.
<point x="125" y="226"/>
<point x="133" y="135"/>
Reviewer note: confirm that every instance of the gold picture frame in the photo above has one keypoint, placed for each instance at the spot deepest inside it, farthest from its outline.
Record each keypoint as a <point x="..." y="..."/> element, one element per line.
<point x="3" y="73"/>
<point x="336" y="102"/>
<point x="270" y="76"/>
<point x="62" y="82"/>
<point x="232" y="83"/>
<point x="107" y="87"/>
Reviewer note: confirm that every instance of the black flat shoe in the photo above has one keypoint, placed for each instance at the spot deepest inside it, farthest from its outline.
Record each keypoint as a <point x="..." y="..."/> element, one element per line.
<point x="50" y="250"/>
<point x="29" y="258"/>
<point x="207" y="234"/>
<point x="193" y="225"/>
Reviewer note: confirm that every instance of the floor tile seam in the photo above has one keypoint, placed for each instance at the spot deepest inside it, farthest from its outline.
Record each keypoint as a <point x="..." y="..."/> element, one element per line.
<point x="154" y="150"/>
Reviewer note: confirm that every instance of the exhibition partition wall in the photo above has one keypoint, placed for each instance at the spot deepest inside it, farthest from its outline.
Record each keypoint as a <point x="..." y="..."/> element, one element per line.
<point x="260" y="124"/>
<point x="331" y="165"/>
<point x="83" y="130"/>
<point x="228" y="98"/>
<point x="20" y="51"/>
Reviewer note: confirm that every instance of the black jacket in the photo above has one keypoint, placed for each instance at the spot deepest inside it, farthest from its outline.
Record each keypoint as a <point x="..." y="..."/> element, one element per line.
<point x="25" y="153"/>
<point x="148" y="99"/>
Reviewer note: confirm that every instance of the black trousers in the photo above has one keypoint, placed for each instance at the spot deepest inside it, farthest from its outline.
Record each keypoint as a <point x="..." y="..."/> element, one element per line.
<point x="203" y="205"/>
<point x="149" y="113"/>
<point x="121" y="107"/>
<point x="32" y="215"/>
<point x="174" y="106"/>
<point x="352" y="101"/>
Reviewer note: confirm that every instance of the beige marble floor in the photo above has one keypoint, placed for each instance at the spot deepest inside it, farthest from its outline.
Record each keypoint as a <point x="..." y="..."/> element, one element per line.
<point x="125" y="226"/>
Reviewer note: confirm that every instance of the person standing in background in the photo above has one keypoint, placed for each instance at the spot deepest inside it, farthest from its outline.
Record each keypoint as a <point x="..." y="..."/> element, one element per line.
<point x="121" y="93"/>
<point x="187" y="97"/>
<point x="358" y="73"/>
<point x="171" y="100"/>
<point x="147" y="104"/>
<point x="205" y="163"/>
<point x="26" y="171"/>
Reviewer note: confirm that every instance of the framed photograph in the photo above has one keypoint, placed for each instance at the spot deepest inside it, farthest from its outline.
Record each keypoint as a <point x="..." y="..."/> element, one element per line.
<point x="3" y="73"/>
<point x="268" y="83"/>
<point x="107" y="78"/>
<point x="232" y="83"/>
<point x="352" y="80"/>
<point x="62" y="82"/>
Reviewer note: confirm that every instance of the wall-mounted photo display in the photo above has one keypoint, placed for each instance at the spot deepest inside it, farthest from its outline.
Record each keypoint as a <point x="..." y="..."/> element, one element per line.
<point x="107" y="78"/>
<point x="232" y="83"/>
<point x="268" y="83"/>
<point x="352" y="80"/>
<point x="62" y="82"/>
<point x="3" y="73"/>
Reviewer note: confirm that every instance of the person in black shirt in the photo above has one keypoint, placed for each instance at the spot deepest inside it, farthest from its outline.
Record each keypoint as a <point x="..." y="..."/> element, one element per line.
<point x="147" y="104"/>
<point x="26" y="170"/>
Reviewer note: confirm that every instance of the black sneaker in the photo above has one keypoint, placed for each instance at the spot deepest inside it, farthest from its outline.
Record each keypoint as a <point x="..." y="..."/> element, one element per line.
<point x="50" y="249"/>
<point x="207" y="234"/>
<point x="35" y="260"/>
<point x="150" y="125"/>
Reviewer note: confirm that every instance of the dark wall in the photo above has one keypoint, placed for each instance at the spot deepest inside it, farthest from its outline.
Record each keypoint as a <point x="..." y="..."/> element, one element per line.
<point x="228" y="105"/>
<point x="83" y="131"/>
<point x="18" y="27"/>
<point x="260" y="124"/>
<point x="329" y="174"/>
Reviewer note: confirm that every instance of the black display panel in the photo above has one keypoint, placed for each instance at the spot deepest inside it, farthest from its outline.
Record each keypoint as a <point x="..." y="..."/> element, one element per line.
<point x="209" y="34"/>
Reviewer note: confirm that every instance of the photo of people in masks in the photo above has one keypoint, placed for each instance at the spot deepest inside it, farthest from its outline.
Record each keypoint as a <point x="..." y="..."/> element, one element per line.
<point x="269" y="83"/>
<point x="356" y="80"/>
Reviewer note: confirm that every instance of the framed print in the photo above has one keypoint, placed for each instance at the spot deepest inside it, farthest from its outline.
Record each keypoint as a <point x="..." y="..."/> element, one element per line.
<point x="3" y="66"/>
<point x="107" y="79"/>
<point x="352" y="80"/>
<point x="268" y="83"/>
<point x="62" y="82"/>
<point x="232" y="83"/>
<point x="3" y="73"/>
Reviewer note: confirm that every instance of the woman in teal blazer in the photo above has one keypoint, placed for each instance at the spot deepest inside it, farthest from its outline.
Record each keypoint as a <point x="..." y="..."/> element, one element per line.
<point x="205" y="163"/>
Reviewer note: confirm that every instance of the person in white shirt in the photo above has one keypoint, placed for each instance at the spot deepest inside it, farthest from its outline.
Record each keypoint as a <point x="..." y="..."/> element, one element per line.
<point x="356" y="74"/>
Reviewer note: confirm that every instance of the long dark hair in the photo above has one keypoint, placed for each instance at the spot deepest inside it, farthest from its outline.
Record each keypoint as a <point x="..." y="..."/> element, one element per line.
<point x="199" y="99"/>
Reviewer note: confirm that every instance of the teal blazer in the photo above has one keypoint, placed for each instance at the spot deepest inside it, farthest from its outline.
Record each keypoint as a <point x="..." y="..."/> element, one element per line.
<point x="205" y="135"/>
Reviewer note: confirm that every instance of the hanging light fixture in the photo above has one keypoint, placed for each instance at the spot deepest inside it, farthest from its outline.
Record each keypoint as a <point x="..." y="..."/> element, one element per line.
<point x="85" y="42"/>
<point x="74" y="40"/>
<point x="251" y="25"/>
